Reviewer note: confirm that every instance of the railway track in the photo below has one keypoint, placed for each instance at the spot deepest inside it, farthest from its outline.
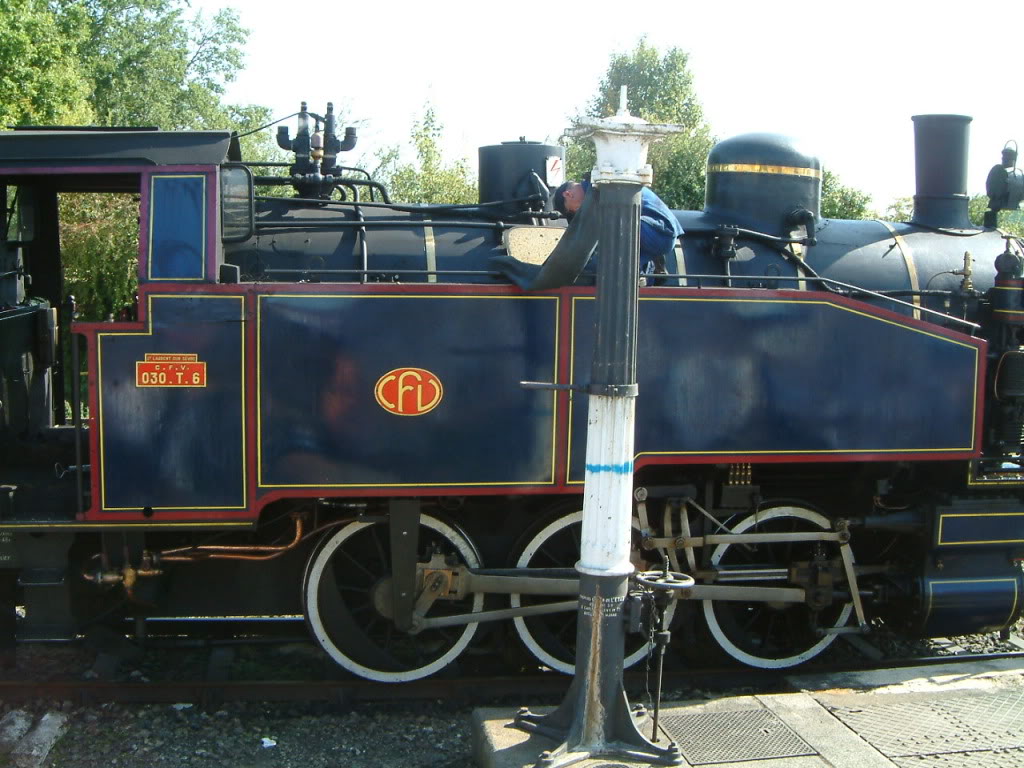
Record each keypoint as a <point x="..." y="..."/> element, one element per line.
<point x="211" y="693"/>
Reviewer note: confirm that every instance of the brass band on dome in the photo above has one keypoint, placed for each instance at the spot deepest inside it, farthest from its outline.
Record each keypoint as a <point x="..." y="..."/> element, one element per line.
<point x="779" y="170"/>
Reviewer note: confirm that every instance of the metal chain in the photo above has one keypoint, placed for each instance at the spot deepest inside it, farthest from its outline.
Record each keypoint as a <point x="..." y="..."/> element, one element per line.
<point x="650" y="609"/>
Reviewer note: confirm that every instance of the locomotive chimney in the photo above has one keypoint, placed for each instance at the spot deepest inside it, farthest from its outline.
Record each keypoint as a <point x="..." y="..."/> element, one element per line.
<point x="940" y="165"/>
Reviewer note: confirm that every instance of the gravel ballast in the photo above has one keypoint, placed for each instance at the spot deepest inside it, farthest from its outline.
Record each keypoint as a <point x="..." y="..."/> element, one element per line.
<point x="409" y="734"/>
<point x="427" y="735"/>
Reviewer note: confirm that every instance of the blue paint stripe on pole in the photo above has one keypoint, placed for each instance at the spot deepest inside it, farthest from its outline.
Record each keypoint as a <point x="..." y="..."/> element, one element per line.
<point x="625" y="468"/>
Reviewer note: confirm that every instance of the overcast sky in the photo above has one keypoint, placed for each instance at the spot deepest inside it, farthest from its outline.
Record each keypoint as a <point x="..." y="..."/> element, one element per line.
<point x="844" y="78"/>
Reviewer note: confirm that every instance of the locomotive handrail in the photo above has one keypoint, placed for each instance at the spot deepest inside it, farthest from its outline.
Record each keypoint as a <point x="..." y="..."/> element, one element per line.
<point x="270" y="181"/>
<point x="480" y="273"/>
<point x="406" y="208"/>
<point x="357" y="272"/>
<point x="323" y="223"/>
<point x="848" y="290"/>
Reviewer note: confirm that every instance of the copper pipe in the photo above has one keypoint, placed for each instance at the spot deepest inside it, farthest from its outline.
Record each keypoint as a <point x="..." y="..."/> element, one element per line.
<point x="215" y="552"/>
<point x="200" y="552"/>
<point x="219" y="556"/>
<point x="240" y="548"/>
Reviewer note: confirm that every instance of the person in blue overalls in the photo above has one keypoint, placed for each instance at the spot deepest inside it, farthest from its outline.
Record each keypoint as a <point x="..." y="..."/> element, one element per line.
<point x="659" y="228"/>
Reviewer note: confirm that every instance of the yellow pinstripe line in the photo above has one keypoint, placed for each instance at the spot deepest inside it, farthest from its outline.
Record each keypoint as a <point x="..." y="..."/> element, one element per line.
<point x="942" y="519"/>
<point x="149" y="332"/>
<point x="152" y="208"/>
<point x="399" y="296"/>
<point x="554" y="393"/>
<point x="724" y="300"/>
<point x="933" y="582"/>
<point x="126" y="524"/>
<point x="259" y="394"/>
<point x="451" y="484"/>
<point x="259" y="388"/>
<point x="810" y="301"/>
<point x="572" y="394"/>
<point x="971" y="481"/>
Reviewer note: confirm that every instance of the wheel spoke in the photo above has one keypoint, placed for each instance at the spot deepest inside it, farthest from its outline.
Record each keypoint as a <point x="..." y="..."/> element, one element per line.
<point x="755" y="615"/>
<point x="764" y="634"/>
<point x="773" y="619"/>
<point x="567" y="629"/>
<point x="352" y="588"/>
<point x="385" y="560"/>
<point x="552" y="638"/>
<point x="351" y="559"/>
<point x="344" y="616"/>
<point x="548" y="557"/>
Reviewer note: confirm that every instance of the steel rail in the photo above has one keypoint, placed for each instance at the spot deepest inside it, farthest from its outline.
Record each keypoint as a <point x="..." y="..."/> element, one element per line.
<point x="468" y="689"/>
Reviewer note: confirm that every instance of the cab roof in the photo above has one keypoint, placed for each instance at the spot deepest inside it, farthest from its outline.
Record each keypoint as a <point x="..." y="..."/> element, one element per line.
<point x="98" y="147"/>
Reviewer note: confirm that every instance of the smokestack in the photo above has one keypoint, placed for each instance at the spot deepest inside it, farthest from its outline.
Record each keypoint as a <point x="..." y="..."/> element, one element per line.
<point x="940" y="160"/>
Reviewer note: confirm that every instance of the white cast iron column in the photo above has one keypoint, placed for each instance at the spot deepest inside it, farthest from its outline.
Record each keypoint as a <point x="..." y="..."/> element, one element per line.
<point x="595" y="718"/>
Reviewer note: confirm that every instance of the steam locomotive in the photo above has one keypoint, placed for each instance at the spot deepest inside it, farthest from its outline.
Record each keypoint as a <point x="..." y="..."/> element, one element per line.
<point x="316" y="412"/>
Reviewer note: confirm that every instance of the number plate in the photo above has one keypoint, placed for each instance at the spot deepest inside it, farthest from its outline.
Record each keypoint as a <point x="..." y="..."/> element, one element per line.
<point x="164" y="370"/>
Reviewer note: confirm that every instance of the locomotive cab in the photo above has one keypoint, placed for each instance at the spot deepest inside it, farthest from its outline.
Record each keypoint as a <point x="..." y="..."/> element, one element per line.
<point x="161" y="188"/>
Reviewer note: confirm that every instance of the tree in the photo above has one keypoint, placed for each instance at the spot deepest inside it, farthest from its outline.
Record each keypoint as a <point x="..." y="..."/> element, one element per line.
<point x="149" y="64"/>
<point x="1011" y="222"/>
<point x="660" y="90"/>
<point x="100" y="247"/>
<point x="42" y="78"/>
<point x="902" y="209"/>
<point x="122" y="62"/>
<point x="430" y="179"/>
<point x="841" y="202"/>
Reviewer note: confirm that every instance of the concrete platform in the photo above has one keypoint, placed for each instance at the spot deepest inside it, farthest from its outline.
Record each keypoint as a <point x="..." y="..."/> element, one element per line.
<point x="967" y="715"/>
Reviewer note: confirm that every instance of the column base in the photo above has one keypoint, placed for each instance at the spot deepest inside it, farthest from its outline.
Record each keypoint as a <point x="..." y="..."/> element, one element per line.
<point x="621" y="736"/>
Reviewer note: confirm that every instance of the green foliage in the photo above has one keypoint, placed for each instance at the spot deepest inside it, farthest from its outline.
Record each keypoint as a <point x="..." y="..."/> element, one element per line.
<point x="430" y="179"/>
<point x="660" y="87"/>
<point x="976" y="208"/>
<point x="116" y="62"/>
<point x="42" y="80"/>
<point x="149" y="64"/>
<point x="257" y="145"/>
<point x="660" y="90"/>
<point x="900" y="209"/>
<point x="100" y="244"/>
<point x="841" y="202"/>
<point x="1011" y="222"/>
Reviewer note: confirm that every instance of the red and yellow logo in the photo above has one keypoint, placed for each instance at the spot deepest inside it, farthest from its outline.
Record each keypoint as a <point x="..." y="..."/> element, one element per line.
<point x="408" y="391"/>
<point x="160" y="370"/>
